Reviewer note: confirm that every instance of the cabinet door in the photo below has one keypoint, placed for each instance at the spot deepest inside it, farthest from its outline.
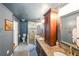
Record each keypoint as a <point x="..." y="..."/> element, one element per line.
<point x="47" y="27"/>
<point x="53" y="31"/>
<point x="37" y="48"/>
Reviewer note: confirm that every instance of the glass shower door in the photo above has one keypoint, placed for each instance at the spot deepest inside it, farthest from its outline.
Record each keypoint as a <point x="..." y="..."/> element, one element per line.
<point x="32" y="37"/>
<point x="31" y="33"/>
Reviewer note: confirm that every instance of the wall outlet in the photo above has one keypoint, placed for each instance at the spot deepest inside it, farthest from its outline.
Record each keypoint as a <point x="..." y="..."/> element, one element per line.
<point x="7" y="51"/>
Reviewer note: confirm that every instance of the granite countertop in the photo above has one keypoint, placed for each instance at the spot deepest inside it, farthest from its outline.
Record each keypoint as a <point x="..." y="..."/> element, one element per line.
<point x="71" y="45"/>
<point x="48" y="49"/>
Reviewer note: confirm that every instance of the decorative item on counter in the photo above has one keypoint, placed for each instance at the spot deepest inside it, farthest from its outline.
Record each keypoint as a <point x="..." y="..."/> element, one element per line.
<point x="77" y="42"/>
<point x="58" y="44"/>
<point x="74" y="35"/>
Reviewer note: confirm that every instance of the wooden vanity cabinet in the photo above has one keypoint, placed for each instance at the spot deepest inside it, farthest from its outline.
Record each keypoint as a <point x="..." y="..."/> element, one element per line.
<point x="40" y="51"/>
<point x="51" y="26"/>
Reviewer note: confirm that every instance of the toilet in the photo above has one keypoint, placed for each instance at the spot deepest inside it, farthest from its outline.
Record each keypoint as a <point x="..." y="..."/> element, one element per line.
<point x="23" y="38"/>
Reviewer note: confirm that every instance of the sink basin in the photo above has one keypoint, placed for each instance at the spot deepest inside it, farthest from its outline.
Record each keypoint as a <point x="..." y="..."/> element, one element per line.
<point x="59" y="54"/>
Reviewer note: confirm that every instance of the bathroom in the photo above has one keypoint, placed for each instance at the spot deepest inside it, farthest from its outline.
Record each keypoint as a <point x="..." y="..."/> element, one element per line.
<point x="40" y="29"/>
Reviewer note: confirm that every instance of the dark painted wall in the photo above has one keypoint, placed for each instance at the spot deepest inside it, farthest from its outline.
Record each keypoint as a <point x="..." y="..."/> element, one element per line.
<point x="6" y="38"/>
<point x="68" y="23"/>
<point x="23" y="28"/>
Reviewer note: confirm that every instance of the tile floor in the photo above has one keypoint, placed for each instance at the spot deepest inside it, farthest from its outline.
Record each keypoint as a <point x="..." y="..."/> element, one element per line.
<point x="25" y="50"/>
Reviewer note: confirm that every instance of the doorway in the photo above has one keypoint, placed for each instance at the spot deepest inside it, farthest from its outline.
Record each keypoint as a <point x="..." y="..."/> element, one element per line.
<point x="15" y="33"/>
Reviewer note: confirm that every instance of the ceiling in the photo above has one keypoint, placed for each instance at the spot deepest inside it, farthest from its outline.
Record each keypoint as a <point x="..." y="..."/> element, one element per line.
<point x="31" y="11"/>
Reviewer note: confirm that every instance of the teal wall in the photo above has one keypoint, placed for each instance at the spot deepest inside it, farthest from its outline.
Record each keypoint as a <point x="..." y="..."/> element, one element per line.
<point x="23" y="28"/>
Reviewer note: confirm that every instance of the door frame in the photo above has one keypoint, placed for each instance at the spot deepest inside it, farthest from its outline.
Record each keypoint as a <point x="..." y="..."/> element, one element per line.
<point x="15" y="33"/>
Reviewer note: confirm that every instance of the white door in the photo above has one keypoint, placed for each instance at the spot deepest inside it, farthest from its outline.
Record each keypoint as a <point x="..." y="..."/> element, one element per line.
<point x="15" y="33"/>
